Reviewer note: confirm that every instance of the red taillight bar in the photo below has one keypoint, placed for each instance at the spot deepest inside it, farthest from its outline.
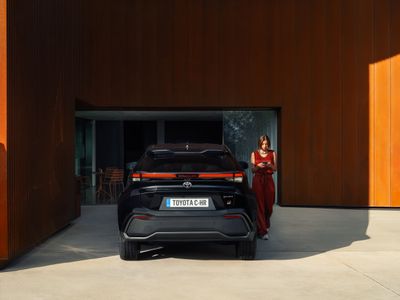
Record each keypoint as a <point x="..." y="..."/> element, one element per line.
<point x="220" y="175"/>
<point x="216" y="175"/>
<point x="138" y="176"/>
<point x="158" y="175"/>
<point x="152" y="175"/>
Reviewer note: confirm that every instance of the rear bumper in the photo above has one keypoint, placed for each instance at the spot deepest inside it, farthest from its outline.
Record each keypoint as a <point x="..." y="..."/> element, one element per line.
<point x="175" y="226"/>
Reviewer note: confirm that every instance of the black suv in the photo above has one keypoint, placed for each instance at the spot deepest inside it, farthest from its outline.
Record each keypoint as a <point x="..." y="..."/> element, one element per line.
<point x="187" y="192"/>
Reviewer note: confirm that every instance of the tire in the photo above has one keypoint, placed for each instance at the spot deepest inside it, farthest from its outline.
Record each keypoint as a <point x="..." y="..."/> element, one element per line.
<point x="247" y="250"/>
<point x="128" y="250"/>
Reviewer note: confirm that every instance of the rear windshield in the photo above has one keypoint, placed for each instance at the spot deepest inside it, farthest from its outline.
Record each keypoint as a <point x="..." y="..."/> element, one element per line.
<point x="188" y="163"/>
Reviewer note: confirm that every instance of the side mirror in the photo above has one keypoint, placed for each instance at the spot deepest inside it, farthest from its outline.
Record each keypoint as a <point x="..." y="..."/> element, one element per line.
<point x="244" y="165"/>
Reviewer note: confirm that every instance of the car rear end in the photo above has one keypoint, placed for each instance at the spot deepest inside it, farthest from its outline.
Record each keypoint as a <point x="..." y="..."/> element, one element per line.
<point x="188" y="193"/>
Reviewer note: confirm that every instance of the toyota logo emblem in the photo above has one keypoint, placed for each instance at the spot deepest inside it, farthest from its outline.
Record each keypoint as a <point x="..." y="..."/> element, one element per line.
<point x="187" y="184"/>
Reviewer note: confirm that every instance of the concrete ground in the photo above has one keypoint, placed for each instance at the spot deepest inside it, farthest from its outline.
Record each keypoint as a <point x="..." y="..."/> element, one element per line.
<point x="312" y="254"/>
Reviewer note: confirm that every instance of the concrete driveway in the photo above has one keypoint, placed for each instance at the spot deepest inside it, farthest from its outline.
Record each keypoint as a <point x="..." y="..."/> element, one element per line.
<point x="312" y="254"/>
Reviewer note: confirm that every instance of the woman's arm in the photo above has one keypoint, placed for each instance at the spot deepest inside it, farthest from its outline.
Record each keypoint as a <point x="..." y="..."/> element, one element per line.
<point x="274" y="165"/>
<point x="253" y="162"/>
<point x="255" y="167"/>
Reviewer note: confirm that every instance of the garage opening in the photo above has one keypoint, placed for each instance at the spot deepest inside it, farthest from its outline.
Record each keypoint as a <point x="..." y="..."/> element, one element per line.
<point x="115" y="140"/>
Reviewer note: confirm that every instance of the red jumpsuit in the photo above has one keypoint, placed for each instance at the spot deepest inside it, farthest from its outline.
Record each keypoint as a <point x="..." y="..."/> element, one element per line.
<point x="264" y="188"/>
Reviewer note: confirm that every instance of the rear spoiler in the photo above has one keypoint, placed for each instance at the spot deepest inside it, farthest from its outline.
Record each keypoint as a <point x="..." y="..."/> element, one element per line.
<point x="166" y="153"/>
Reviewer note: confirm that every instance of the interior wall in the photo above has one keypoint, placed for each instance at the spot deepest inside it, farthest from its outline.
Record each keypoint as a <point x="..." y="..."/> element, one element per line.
<point x="138" y="135"/>
<point x="109" y="144"/>
<point x="179" y="131"/>
<point x="40" y="116"/>
<point x="339" y="131"/>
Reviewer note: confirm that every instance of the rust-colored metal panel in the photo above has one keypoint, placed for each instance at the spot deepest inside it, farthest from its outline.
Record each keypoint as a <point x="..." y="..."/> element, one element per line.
<point x="332" y="67"/>
<point x="365" y="15"/>
<point x="350" y="148"/>
<point x="210" y="52"/>
<point x="302" y="86"/>
<point x="283" y="75"/>
<point x="395" y="103"/>
<point x="228" y="52"/>
<point x="3" y="133"/>
<point x="41" y="121"/>
<point x="323" y="148"/>
<point x="333" y="156"/>
<point x="311" y="58"/>
<point x="382" y="103"/>
<point x="315" y="177"/>
<point x="186" y="32"/>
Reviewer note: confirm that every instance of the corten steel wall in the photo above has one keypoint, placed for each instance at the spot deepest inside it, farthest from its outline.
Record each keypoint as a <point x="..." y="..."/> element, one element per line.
<point x="40" y="118"/>
<point x="385" y="107"/>
<point x="331" y="66"/>
<point x="3" y="134"/>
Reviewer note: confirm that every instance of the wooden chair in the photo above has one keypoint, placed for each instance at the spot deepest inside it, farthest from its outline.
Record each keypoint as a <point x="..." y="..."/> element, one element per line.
<point x="114" y="180"/>
<point x="101" y="193"/>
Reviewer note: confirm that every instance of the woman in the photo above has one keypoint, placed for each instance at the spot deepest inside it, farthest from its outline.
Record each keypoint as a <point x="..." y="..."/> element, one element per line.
<point x="263" y="166"/>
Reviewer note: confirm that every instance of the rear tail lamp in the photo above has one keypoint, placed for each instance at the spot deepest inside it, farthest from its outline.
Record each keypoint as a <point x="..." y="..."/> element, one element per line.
<point x="140" y="176"/>
<point x="135" y="177"/>
<point x="232" y="216"/>
<point x="142" y="217"/>
<point x="235" y="177"/>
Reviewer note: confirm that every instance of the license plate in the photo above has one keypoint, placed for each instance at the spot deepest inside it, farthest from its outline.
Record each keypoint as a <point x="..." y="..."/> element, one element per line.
<point x="186" y="202"/>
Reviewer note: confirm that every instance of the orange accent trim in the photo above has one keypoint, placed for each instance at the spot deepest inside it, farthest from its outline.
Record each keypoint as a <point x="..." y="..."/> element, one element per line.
<point x="158" y="175"/>
<point x="215" y="175"/>
<point x="220" y="175"/>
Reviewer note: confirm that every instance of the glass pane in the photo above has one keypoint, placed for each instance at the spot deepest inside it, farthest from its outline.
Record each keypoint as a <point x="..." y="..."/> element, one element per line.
<point x="242" y="130"/>
<point x="84" y="157"/>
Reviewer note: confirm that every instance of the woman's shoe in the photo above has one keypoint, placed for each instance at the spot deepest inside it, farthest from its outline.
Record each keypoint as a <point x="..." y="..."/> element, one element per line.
<point x="265" y="237"/>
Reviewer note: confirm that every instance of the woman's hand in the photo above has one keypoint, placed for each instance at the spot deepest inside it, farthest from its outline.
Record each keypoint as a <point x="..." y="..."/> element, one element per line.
<point x="268" y="164"/>
<point x="261" y="165"/>
<point x="271" y="166"/>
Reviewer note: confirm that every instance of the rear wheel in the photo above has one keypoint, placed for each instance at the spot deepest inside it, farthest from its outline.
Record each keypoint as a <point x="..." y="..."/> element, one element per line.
<point x="247" y="249"/>
<point x="128" y="250"/>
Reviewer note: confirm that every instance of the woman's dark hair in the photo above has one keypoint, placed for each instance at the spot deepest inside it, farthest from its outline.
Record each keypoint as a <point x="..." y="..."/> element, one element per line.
<point x="262" y="139"/>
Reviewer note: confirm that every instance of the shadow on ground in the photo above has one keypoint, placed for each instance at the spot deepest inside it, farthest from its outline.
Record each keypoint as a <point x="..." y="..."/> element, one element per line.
<point x="295" y="233"/>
